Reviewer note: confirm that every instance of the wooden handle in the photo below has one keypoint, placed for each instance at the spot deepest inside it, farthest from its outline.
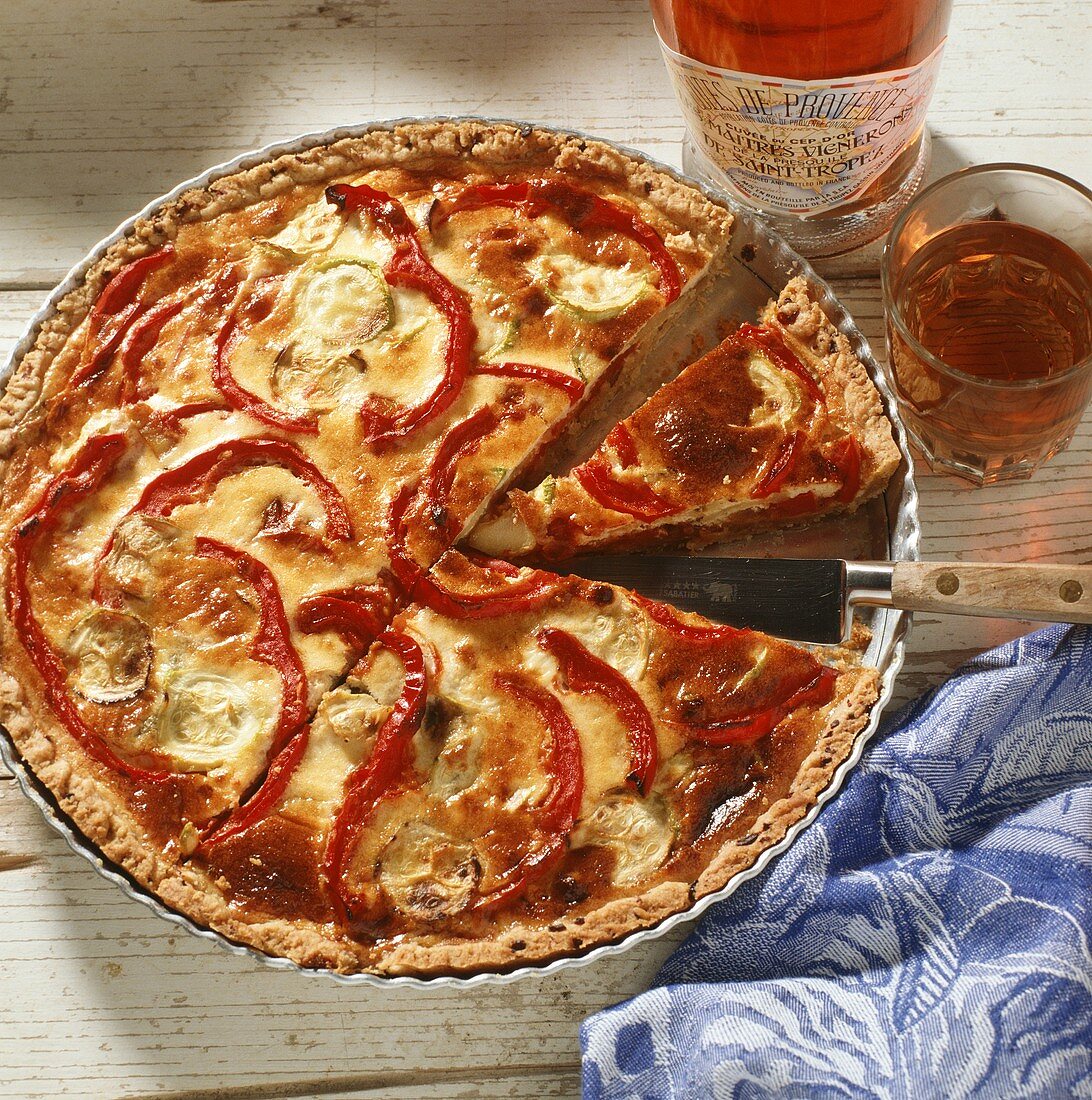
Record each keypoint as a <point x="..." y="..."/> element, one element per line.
<point x="1046" y="593"/>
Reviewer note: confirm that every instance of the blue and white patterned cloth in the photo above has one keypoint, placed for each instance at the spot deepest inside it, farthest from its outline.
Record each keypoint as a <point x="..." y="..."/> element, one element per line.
<point x="927" y="937"/>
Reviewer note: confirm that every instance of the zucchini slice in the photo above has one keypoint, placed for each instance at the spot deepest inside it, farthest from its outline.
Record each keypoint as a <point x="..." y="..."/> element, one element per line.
<point x="211" y="721"/>
<point x="504" y="342"/>
<point x="637" y="830"/>
<point x="588" y="292"/>
<point x="319" y="383"/>
<point x="782" y="396"/>
<point x="110" y="654"/>
<point x="343" y="302"/>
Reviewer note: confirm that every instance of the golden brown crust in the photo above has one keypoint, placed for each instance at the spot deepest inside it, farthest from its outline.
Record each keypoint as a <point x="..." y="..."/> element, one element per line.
<point x="800" y="318"/>
<point x="98" y="808"/>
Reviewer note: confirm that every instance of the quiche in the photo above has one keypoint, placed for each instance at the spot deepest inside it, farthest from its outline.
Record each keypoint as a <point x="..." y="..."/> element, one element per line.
<point x="524" y="765"/>
<point x="238" y="645"/>
<point x="780" y="422"/>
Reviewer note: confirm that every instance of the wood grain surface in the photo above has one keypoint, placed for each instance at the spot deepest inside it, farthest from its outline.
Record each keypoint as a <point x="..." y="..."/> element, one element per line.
<point x="105" y="104"/>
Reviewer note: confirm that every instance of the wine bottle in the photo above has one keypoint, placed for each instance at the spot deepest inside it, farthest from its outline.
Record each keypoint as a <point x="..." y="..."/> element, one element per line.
<point x="810" y="111"/>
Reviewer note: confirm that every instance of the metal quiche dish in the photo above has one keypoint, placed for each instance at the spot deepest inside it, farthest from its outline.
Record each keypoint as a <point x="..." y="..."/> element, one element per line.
<point x="383" y="670"/>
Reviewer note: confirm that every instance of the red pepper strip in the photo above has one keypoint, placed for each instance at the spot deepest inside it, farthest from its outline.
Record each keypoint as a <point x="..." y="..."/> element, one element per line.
<point x="200" y="475"/>
<point x="419" y="586"/>
<point x="410" y="267"/>
<point x="518" y="598"/>
<point x="569" y="385"/>
<point x="141" y="339"/>
<point x="582" y="209"/>
<point x="586" y="674"/>
<point x="515" y="195"/>
<point x="406" y="570"/>
<point x="818" y="689"/>
<point x="621" y="439"/>
<point x="172" y="418"/>
<point x="846" y="456"/>
<point x="565" y="768"/>
<point x="777" y="472"/>
<point x="272" y="645"/>
<point x="371" y="781"/>
<point x="239" y="397"/>
<point x="87" y="471"/>
<point x="631" y="498"/>
<point x="356" y="614"/>
<point x="265" y="797"/>
<point x="636" y="498"/>
<point x="117" y="302"/>
<point x="461" y="441"/>
<point x="495" y="565"/>
<point x="664" y="616"/>
<point x="773" y="344"/>
<point x="531" y="584"/>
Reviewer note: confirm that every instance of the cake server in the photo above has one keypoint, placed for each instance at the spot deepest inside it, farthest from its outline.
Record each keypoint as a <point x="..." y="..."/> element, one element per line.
<point x="811" y="600"/>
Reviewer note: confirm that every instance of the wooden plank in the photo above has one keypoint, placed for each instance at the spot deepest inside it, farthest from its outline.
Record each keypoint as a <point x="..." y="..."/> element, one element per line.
<point x="528" y="1082"/>
<point x="94" y="125"/>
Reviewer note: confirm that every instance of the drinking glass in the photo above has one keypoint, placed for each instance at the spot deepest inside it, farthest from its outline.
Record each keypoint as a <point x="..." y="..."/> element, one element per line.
<point x="987" y="287"/>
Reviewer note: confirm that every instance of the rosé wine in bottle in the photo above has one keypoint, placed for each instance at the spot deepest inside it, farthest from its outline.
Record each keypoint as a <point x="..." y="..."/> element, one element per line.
<point x="810" y="111"/>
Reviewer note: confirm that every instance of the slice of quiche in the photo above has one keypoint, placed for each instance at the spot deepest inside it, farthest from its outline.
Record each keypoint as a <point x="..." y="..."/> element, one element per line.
<point x="525" y="764"/>
<point x="779" y="422"/>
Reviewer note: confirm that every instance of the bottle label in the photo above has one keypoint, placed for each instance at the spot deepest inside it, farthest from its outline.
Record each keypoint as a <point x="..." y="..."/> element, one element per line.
<point x="801" y="146"/>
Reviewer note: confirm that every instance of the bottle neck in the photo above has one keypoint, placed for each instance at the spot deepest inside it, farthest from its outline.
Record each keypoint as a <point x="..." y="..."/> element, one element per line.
<point x="804" y="39"/>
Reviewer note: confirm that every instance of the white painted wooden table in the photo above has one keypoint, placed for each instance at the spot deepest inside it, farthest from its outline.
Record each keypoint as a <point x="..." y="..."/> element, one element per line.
<point x="105" y="104"/>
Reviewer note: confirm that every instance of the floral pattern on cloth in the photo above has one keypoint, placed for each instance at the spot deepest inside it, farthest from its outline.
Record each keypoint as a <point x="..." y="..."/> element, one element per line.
<point x="927" y="937"/>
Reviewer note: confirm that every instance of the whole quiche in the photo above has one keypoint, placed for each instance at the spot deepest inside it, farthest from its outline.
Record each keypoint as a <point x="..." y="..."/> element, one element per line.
<point x="277" y="631"/>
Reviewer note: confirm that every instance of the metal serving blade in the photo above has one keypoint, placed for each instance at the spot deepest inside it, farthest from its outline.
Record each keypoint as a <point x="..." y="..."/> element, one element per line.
<point x="796" y="598"/>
